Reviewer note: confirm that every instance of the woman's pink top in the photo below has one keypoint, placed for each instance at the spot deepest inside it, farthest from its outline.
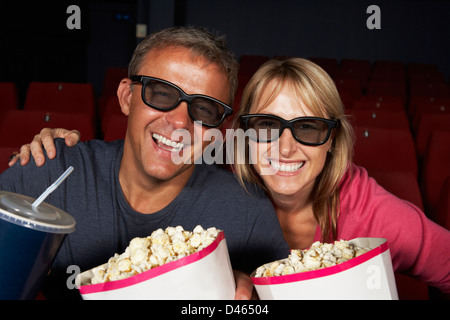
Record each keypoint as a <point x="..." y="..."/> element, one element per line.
<point x="418" y="246"/>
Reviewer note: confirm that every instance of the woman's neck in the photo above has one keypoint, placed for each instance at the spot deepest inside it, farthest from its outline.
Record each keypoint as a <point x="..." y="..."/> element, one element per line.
<point x="297" y="220"/>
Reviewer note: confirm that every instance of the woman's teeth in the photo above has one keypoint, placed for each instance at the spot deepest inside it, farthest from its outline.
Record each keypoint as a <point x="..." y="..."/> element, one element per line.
<point x="286" y="167"/>
<point x="175" y="145"/>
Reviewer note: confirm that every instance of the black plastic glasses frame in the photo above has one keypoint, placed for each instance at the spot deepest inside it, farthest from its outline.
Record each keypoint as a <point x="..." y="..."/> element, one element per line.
<point x="290" y="124"/>
<point x="188" y="98"/>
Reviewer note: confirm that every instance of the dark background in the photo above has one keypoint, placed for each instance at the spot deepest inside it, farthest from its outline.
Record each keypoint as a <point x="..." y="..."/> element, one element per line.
<point x="36" y="45"/>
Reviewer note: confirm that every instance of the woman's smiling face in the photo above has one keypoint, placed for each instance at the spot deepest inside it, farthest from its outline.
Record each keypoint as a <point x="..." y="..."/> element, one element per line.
<point x="286" y="166"/>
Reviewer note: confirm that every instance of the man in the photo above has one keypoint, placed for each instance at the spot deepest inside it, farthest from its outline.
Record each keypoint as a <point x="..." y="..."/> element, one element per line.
<point x="121" y="190"/>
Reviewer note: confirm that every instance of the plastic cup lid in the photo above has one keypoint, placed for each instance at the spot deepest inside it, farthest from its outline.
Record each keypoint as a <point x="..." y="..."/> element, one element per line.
<point x="17" y="209"/>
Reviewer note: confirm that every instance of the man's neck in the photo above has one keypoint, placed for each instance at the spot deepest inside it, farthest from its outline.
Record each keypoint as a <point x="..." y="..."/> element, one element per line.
<point x="146" y="194"/>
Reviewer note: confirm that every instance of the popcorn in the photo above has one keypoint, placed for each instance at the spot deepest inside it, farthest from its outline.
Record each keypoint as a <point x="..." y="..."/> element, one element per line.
<point x="161" y="247"/>
<point x="318" y="256"/>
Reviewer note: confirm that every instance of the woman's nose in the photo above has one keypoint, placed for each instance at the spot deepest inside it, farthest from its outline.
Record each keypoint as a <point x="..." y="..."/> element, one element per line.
<point x="287" y="143"/>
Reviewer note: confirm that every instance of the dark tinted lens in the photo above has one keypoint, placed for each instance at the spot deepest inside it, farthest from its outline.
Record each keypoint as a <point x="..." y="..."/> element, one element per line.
<point x="311" y="131"/>
<point x="206" y="111"/>
<point x="265" y="128"/>
<point x="161" y="95"/>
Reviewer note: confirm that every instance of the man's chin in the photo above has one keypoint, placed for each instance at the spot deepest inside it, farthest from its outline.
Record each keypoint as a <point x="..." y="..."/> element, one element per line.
<point x="165" y="173"/>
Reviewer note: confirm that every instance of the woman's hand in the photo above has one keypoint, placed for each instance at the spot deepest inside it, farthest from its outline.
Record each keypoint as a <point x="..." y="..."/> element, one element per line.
<point x="45" y="140"/>
<point x="244" y="286"/>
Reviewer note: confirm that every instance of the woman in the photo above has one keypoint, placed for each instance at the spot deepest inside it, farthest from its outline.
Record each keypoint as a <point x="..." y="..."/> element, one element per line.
<point x="295" y="121"/>
<point x="300" y="150"/>
<point x="308" y="196"/>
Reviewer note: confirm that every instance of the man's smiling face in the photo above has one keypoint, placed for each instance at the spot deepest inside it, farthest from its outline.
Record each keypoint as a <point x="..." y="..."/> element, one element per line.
<point x="150" y="131"/>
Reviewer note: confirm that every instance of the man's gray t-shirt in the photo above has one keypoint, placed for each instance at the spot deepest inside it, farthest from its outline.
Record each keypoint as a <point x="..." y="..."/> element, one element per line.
<point x="106" y="223"/>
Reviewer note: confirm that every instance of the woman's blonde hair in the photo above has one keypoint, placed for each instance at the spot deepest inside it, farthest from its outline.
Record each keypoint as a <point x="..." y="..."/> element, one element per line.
<point x="314" y="87"/>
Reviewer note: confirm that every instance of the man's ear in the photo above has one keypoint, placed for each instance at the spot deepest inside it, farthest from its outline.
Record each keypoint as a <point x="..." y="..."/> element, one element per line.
<point x="124" y="93"/>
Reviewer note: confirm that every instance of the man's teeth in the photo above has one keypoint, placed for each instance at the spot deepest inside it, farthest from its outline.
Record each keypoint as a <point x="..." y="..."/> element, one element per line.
<point x="167" y="142"/>
<point x="286" y="167"/>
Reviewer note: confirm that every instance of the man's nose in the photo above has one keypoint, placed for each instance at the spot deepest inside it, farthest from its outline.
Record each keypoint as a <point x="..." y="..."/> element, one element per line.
<point x="179" y="117"/>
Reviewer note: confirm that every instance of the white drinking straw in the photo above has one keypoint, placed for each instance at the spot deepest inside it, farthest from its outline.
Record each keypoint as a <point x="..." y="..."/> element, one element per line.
<point x="52" y="188"/>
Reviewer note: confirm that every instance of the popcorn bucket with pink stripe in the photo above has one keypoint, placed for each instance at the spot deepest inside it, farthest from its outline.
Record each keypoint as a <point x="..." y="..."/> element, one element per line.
<point x="368" y="276"/>
<point x="206" y="274"/>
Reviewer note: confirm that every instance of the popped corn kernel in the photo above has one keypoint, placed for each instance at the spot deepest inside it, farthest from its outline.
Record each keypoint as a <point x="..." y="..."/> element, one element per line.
<point x="139" y="255"/>
<point x="319" y="255"/>
<point x="288" y="270"/>
<point x="161" y="247"/>
<point x="124" y="265"/>
<point x="198" y="229"/>
<point x="180" y="247"/>
<point x="195" y="240"/>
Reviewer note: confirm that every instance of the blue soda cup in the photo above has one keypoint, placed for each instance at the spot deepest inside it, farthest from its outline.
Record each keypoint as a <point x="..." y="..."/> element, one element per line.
<point x="30" y="238"/>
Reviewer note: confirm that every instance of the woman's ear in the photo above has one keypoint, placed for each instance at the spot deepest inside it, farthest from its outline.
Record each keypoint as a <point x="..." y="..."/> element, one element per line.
<point x="124" y="93"/>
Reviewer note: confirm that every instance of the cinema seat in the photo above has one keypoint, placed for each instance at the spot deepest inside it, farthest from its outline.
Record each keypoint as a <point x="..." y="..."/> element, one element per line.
<point x="409" y="288"/>
<point x="112" y="107"/>
<point x="379" y="103"/>
<point x="347" y="99"/>
<point x="385" y="149"/>
<point x="387" y="88"/>
<point x="389" y="66"/>
<point x="443" y="206"/>
<point x="349" y="87"/>
<point x="426" y="77"/>
<point x="402" y="184"/>
<point x="5" y="155"/>
<point x="438" y="107"/>
<point x="112" y="78"/>
<point x="437" y="90"/>
<point x="379" y="118"/>
<point x="115" y="127"/>
<point x="436" y="169"/>
<point x="61" y="97"/>
<point x="427" y="123"/>
<point x="8" y="96"/>
<point x="417" y="105"/>
<point x="18" y="127"/>
<point x="355" y="69"/>
<point x="413" y="68"/>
